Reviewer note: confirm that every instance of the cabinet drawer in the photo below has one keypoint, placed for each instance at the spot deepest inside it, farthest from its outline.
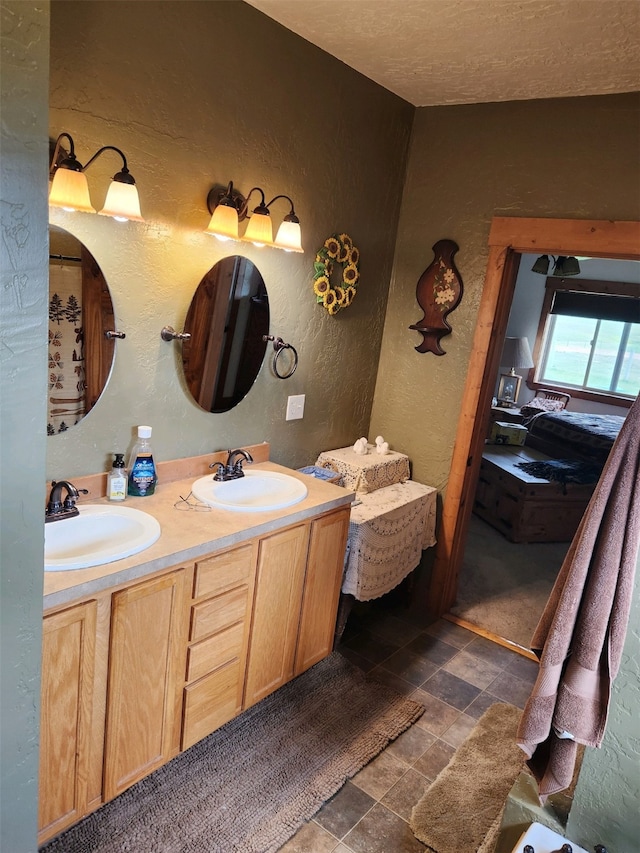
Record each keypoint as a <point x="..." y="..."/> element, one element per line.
<point x="213" y="615"/>
<point x="215" y="651"/>
<point x="210" y="703"/>
<point x="222" y="571"/>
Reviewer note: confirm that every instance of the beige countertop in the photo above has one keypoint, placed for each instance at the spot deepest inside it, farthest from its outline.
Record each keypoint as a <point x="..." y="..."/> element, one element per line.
<point x="187" y="536"/>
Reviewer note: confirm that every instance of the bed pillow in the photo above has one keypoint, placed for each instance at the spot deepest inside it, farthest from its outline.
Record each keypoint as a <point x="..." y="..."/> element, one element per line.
<point x="539" y="404"/>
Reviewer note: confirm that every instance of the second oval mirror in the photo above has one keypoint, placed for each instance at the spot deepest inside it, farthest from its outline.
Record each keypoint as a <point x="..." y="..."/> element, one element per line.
<point x="227" y="318"/>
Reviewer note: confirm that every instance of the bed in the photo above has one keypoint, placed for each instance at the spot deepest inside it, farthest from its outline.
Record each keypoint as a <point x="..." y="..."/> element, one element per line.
<point x="573" y="435"/>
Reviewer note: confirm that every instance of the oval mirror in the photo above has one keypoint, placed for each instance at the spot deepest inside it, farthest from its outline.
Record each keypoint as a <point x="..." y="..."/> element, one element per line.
<point x="80" y="311"/>
<point x="227" y="318"/>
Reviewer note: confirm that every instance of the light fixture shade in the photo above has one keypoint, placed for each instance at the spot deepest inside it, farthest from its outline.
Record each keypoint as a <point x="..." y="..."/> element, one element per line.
<point x="70" y="190"/>
<point x="224" y="223"/>
<point x="259" y="231"/>
<point x="122" y="202"/>
<point x="541" y="265"/>
<point x="516" y="353"/>
<point x="566" y="266"/>
<point x="289" y="237"/>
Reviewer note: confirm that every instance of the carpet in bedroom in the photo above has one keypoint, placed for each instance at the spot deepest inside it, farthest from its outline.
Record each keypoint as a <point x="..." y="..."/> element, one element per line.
<point x="504" y="586"/>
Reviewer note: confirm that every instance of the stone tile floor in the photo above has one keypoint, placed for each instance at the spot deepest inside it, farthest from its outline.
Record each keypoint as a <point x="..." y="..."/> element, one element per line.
<point x="456" y="675"/>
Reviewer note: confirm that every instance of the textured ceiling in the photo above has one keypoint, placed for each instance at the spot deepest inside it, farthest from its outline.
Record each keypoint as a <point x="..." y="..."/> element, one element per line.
<point x="473" y="51"/>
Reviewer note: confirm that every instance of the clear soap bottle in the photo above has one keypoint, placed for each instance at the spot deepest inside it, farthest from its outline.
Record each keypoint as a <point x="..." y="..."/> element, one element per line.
<point x="142" y="468"/>
<point x="117" y="479"/>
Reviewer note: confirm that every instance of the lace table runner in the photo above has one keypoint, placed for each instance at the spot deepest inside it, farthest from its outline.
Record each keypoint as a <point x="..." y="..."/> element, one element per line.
<point x="366" y="473"/>
<point x="388" y="531"/>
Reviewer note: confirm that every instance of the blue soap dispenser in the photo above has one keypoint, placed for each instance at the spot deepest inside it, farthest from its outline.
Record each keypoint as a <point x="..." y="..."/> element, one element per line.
<point x="142" y="468"/>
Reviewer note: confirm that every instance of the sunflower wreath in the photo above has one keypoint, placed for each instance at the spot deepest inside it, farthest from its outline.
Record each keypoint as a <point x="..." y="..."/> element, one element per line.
<point x="337" y="249"/>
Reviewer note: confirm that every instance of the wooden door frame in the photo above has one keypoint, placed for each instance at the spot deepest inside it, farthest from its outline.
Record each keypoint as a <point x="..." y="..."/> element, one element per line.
<point x="509" y="238"/>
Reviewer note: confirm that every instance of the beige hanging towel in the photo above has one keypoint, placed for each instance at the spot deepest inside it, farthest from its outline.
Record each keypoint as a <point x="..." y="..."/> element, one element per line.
<point x="581" y="632"/>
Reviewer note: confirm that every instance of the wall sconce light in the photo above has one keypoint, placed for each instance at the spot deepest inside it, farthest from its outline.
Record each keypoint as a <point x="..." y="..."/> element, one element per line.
<point x="70" y="190"/>
<point x="228" y="208"/>
<point x="562" y="265"/>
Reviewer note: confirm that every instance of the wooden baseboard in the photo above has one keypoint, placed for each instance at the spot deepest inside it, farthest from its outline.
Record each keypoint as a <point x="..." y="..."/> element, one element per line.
<point x="489" y="635"/>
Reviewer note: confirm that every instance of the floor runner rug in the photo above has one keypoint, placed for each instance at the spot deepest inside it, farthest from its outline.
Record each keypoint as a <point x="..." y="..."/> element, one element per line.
<point x="461" y="806"/>
<point x="250" y="785"/>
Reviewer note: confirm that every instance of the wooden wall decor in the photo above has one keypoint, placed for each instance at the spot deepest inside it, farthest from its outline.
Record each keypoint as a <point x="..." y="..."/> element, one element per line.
<point x="439" y="291"/>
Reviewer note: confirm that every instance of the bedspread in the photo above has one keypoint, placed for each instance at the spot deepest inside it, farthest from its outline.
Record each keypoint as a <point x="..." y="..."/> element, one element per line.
<point x="589" y="435"/>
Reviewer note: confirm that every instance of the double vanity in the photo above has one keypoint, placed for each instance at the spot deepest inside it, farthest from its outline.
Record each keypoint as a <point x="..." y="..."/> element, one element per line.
<point x="148" y="654"/>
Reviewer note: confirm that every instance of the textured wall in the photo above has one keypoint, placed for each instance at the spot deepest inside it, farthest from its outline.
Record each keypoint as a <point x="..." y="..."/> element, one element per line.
<point x="24" y="66"/>
<point x="197" y="94"/>
<point x="566" y="158"/>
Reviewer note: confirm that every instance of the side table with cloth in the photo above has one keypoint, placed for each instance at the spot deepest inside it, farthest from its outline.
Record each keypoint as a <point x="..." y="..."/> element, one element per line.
<point x="366" y="473"/>
<point x="388" y="531"/>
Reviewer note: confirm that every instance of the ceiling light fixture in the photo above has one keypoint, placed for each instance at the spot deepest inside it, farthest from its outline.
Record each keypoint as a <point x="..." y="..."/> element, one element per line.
<point x="228" y="208"/>
<point x="70" y="190"/>
<point x="562" y="265"/>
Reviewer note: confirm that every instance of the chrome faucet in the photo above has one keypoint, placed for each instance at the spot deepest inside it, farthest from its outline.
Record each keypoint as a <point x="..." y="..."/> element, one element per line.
<point x="232" y="469"/>
<point x="57" y="509"/>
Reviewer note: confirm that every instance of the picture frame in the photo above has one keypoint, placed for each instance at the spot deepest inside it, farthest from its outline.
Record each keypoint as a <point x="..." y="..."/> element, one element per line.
<point x="508" y="390"/>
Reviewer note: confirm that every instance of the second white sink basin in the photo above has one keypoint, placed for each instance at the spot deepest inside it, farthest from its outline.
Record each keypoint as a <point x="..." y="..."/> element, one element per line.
<point x="100" y="534"/>
<point x="257" y="491"/>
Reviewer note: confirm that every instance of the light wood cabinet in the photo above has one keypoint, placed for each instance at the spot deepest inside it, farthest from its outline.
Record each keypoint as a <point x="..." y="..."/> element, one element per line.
<point x="68" y="662"/>
<point x="298" y="583"/>
<point x="135" y="674"/>
<point x="276" y="611"/>
<point x="322" y="584"/>
<point x="220" y="620"/>
<point x="146" y="673"/>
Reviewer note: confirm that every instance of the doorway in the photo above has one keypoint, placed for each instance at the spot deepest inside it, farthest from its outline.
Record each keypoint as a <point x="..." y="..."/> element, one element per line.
<point x="508" y="239"/>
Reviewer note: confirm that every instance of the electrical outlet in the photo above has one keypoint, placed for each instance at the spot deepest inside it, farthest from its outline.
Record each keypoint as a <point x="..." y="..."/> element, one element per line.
<point x="295" y="407"/>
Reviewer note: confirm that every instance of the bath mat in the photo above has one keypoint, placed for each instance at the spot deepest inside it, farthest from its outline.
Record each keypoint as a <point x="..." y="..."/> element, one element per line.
<point x="462" y="805"/>
<point x="250" y="785"/>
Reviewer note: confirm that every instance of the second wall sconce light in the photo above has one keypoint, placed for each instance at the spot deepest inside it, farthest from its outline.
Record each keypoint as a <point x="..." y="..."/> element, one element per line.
<point x="70" y="190"/>
<point x="228" y="208"/>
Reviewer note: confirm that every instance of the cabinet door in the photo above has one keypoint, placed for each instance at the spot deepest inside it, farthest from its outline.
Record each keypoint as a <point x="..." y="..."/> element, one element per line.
<point x="68" y="661"/>
<point x="322" y="589"/>
<point x="276" y="612"/>
<point x="146" y="676"/>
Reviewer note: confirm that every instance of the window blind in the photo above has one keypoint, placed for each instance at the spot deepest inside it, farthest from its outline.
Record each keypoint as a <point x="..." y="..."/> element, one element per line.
<point x="596" y="306"/>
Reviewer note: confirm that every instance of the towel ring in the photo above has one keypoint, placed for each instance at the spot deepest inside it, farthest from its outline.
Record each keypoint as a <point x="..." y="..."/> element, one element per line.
<point x="279" y="347"/>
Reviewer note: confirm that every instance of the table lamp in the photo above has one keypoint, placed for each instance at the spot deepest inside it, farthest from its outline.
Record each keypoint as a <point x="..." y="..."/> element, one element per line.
<point x="516" y="354"/>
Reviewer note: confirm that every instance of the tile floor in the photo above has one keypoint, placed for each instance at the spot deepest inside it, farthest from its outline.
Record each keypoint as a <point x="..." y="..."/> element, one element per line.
<point x="456" y="675"/>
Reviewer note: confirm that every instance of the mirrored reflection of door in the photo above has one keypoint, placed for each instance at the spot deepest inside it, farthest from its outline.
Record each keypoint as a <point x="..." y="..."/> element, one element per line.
<point x="227" y="319"/>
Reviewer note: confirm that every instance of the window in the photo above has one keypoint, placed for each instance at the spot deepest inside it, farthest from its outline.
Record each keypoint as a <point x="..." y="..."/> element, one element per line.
<point x="589" y="338"/>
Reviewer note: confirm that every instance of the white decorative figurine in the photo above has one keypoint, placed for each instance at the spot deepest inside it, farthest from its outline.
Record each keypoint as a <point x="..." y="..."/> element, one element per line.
<point x="382" y="446"/>
<point x="360" y="447"/>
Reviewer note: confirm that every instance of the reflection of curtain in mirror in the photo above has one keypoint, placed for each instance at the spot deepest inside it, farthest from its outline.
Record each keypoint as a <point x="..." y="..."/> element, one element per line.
<point x="66" y="398"/>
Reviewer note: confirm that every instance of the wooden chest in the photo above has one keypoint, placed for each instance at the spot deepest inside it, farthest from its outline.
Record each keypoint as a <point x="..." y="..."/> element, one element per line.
<point x="526" y="508"/>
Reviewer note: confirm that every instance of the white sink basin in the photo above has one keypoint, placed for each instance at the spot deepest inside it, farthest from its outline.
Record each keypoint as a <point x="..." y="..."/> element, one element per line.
<point x="100" y="534"/>
<point x="257" y="491"/>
